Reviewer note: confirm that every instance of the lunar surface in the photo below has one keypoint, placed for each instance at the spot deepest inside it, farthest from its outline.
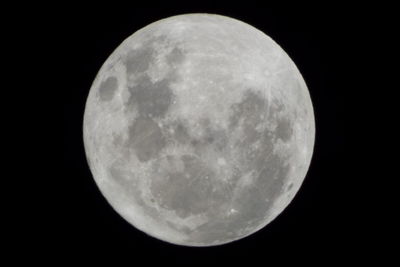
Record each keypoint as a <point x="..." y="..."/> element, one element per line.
<point x="199" y="129"/>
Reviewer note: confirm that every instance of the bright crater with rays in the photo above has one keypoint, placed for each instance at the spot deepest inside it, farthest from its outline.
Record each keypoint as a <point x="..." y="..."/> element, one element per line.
<point x="199" y="129"/>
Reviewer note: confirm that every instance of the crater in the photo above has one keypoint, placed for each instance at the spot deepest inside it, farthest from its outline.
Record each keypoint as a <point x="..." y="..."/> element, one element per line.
<point x="152" y="99"/>
<point x="108" y="88"/>
<point x="290" y="186"/>
<point x="146" y="138"/>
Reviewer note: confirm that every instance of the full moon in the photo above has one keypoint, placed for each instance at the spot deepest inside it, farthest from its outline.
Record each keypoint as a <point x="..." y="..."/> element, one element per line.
<point x="199" y="129"/>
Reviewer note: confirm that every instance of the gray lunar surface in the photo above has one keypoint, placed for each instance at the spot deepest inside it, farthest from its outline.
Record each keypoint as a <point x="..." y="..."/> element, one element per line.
<point x="199" y="129"/>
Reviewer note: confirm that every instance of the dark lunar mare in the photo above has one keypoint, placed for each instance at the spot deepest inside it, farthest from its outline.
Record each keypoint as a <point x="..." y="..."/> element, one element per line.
<point x="107" y="88"/>
<point x="187" y="192"/>
<point x="145" y="138"/>
<point x="152" y="99"/>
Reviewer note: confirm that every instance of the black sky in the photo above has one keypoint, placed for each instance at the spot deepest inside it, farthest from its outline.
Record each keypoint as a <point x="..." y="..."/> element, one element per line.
<point x="317" y="224"/>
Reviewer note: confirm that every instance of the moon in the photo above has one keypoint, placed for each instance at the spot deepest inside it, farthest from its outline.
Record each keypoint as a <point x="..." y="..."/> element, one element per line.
<point x="199" y="129"/>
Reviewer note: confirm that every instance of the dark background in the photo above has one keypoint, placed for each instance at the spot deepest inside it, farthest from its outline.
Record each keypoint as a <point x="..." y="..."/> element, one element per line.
<point x="318" y="224"/>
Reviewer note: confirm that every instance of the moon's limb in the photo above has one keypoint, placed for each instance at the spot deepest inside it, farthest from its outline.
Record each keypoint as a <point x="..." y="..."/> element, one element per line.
<point x="199" y="129"/>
